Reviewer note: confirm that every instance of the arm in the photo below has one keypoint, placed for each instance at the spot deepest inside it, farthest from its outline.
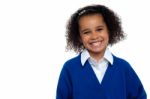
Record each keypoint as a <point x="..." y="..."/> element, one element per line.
<point x="135" y="89"/>
<point x="64" y="88"/>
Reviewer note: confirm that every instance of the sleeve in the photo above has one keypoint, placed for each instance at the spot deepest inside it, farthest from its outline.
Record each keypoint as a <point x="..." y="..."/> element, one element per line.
<point x="135" y="89"/>
<point x="64" y="87"/>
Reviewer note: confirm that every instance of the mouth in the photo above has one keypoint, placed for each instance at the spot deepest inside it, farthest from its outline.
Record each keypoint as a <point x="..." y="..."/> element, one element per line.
<point x="96" y="44"/>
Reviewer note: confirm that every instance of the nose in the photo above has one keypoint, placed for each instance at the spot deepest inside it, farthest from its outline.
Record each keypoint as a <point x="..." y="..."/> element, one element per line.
<point x="94" y="35"/>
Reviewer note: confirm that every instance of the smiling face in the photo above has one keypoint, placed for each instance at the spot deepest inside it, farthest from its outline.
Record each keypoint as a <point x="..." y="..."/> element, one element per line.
<point x="94" y="34"/>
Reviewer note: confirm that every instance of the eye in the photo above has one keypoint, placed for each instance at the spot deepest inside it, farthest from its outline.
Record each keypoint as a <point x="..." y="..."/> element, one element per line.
<point x="99" y="29"/>
<point x="86" y="32"/>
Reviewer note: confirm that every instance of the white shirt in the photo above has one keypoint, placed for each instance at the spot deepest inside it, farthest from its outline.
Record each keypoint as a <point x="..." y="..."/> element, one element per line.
<point x="100" y="67"/>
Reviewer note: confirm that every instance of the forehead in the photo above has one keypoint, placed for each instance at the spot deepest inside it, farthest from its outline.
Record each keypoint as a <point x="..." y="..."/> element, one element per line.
<point x="91" y="17"/>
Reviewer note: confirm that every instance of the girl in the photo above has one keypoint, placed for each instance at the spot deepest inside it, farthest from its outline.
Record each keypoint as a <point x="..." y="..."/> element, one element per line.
<point x="96" y="73"/>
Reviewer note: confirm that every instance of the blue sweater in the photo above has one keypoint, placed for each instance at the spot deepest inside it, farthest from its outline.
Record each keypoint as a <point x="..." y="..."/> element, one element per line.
<point x="79" y="82"/>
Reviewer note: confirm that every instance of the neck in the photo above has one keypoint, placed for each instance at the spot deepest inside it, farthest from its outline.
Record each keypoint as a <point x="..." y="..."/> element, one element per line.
<point x="97" y="56"/>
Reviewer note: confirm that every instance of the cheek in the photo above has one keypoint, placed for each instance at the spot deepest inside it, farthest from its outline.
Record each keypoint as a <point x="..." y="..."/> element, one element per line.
<point x="106" y="36"/>
<point x="84" y="39"/>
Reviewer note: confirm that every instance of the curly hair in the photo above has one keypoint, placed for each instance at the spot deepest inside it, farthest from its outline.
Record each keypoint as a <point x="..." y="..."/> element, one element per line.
<point x="111" y="19"/>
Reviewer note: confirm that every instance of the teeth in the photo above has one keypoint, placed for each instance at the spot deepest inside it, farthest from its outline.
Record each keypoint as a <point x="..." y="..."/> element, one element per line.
<point x="96" y="44"/>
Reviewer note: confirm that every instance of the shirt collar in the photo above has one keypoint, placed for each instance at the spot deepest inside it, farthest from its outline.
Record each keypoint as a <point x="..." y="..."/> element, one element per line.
<point x="85" y="56"/>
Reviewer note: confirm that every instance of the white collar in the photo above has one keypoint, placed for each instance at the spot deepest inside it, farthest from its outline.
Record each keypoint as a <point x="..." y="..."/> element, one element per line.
<point x="85" y="56"/>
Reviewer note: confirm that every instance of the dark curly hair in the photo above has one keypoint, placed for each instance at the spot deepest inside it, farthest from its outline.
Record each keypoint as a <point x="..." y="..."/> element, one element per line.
<point x="111" y="19"/>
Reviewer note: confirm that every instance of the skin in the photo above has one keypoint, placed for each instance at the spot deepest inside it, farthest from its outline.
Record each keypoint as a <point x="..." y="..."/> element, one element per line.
<point x="94" y="35"/>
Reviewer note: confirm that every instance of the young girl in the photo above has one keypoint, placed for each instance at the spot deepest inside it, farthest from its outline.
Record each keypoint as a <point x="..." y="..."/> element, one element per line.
<point x="96" y="73"/>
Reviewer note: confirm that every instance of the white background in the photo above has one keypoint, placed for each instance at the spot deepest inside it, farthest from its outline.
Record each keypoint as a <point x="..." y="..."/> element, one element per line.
<point x="32" y="43"/>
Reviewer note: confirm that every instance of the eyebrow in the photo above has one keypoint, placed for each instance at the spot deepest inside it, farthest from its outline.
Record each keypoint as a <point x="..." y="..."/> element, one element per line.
<point x="102" y="26"/>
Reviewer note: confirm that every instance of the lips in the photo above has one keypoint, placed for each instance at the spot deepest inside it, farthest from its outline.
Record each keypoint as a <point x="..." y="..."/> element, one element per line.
<point x="96" y="44"/>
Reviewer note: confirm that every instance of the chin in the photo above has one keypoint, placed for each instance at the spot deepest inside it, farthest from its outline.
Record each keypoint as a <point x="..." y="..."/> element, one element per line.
<point x="98" y="50"/>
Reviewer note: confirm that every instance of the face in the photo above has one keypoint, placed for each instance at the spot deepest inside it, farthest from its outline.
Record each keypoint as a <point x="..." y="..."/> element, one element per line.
<point x="94" y="34"/>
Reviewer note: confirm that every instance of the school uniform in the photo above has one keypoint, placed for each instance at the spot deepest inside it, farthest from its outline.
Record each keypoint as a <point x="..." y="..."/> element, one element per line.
<point x="111" y="78"/>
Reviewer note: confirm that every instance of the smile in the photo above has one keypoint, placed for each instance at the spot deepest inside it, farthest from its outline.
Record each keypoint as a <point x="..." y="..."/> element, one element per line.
<point x="96" y="44"/>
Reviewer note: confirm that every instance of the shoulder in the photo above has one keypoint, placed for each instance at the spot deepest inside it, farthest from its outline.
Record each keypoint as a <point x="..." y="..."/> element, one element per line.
<point x="73" y="62"/>
<point x="70" y="66"/>
<point x="125" y="67"/>
<point x="122" y="63"/>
